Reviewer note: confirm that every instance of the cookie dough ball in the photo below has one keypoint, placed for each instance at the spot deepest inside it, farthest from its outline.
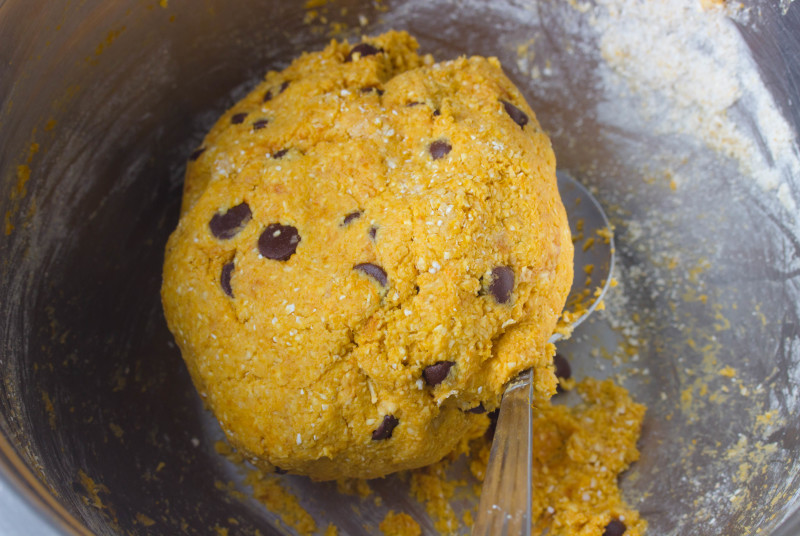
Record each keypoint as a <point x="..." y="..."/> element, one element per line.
<point x="371" y="245"/>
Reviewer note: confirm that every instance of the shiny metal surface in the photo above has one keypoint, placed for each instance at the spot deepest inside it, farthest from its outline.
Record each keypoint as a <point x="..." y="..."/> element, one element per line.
<point x="586" y="219"/>
<point x="102" y="102"/>
<point x="505" y="504"/>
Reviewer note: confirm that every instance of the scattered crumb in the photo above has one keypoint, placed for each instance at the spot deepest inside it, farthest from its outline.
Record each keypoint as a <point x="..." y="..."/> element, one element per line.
<point x="93" y="489"/>
<point x="578" y="455"/>
<point x="353" y="486"/>
<point x="50" y="410"/>
<point x="268" y="490"/>
<point x="145" y="520"/>
<point x="711" y="4"/>
<point x="431" y="487"/>
<point x="399" y="525"/>
<point x="468" y="521"/>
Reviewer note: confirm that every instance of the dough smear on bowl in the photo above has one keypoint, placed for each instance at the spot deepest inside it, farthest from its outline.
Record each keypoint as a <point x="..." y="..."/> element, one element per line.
<point x="371" y="245"/>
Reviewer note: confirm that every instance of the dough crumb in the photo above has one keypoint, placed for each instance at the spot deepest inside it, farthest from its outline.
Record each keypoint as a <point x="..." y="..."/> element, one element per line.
<point x="268" y="490"/>
<point x="399" y="524"/>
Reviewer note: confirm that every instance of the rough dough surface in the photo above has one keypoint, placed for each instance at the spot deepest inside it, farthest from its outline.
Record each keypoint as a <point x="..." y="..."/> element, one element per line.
<point x="371" y="245"/>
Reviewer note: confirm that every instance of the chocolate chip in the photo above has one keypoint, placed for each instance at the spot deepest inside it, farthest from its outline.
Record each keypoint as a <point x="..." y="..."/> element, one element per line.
<point x="435" y="374"/>
<point x="384" y="431"/>
<point x="196" y="154"/>
<point x="279" y="154"/>
<point x="362" y="49"/>
<point x="492" y="423"/>
<point x="502" y="284"/>
<point x="238" y="118"/>
<point x="352" y="216"/>
<point x="516" y="114"/>
<point x="436" y="113"/>
<point x="372" y="232"/>
<point x="278" y="242"/>
<point x="268" y="95"/>
<point x="227" y="225"/>
<point x="477" y="409"/>
<point x="374" y="271"/>
<point x="279" y="471"/>
<point x="370" y="89"/>
<point x="439" y="149"/>
<point x="615" y="528"/>
<point x="225" y="279"/>
<point x="563" y="370"/>
<point x="261" y="123"/>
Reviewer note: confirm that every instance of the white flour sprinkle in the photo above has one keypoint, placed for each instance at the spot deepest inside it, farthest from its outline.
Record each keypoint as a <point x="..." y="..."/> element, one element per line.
<point x="694" y="76"/>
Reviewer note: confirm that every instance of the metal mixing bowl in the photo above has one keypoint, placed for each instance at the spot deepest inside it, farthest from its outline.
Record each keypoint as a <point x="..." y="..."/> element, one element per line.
<point x="102" y="102"/>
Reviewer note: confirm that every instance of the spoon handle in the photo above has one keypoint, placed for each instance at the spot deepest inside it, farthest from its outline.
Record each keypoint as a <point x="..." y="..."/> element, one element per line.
<point x="505" y="505"/>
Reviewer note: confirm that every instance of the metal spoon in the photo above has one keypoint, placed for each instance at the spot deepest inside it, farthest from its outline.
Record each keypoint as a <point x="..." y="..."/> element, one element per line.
<point x="505" y="505"/>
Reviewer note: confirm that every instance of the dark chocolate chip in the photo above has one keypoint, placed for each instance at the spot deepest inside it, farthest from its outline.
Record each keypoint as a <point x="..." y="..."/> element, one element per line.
<point x="227" y="225"/>
<point x="477" y="409"/>
<point x="268" y="95"/>
<point x="279" y="154"/>
<point x="615" y="528"/>
<point x="384" y="431"/>
<point x="225" y="279"/>
<point x="362" y="49"/>
<point x="196" y="154"/>
<point x="370" y="89"/>
<point x="436" y="373"/>
<point x="352" y="216"/>
<point x="436" y="113"/>
<point x="278" y="242"/>
<point x="492" y="423"/>
<point x="238" y="118"/>
<point x="439" y="149"/>
<point x="563" y="370"/>
<point x="372" y="232"/>
<point x="261" y="123"/>
<point x="374" y="271"/>
<point x="502" y="284"/>
<point x="279" y="471"/>
<point x="519" y="117"/>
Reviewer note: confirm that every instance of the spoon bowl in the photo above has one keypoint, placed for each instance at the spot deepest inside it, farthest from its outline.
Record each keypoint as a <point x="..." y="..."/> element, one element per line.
<point x="593" y="260"/>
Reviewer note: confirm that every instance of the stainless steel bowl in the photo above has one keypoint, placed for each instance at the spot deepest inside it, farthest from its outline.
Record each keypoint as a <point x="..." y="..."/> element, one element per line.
<point x="691" y="145"/>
